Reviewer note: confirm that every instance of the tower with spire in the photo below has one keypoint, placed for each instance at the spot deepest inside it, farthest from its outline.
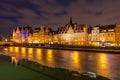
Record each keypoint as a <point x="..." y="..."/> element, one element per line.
<point x="70" y="21"/>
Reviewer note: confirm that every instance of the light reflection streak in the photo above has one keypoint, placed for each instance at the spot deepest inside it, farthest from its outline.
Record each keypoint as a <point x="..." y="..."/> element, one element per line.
<point x="5" y="49"/>
<point x="30" y="53"/>
<point x="23" y="52"/>
<point x="16" y="49"/>
<point x="49" y="57"/>
<point x="103" y="66"/>
<point x="11" y="49"/>
<point x="14" y="60"/>
<point x="75" y="60"/>
<point x="39" y="55"/>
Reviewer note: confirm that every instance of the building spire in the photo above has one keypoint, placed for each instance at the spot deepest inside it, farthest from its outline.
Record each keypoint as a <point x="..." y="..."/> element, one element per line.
<point x="70" y="20"/>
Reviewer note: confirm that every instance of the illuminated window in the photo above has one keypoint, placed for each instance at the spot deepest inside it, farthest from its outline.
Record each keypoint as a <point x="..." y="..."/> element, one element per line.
<point x="110" y="29"/>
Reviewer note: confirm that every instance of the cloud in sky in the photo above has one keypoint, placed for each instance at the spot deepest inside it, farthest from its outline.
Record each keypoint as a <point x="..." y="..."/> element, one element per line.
<point x="55" y="13"/>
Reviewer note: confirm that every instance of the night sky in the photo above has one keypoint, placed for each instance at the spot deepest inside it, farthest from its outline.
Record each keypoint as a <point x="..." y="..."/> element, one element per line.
<point x="55" y="13"/>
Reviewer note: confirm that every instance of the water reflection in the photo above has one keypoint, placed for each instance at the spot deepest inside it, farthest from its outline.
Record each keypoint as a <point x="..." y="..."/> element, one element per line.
<point x="11" y="49"/>
<point x="5" y="49"/>
<point x="39" y="55"/>
<point x="75" y="60"/>
<point x="14" y="60"/>
<point x="30" y="53"/>
<point x="16" y="49"/>
<point x="49" y="57"/>
<point x="101" y="63"/>
<point x="23" y="52"/>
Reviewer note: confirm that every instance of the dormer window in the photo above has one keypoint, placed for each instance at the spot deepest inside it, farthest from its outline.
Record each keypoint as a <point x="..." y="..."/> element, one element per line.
<point x="110" y="30"/>
<point x="103" y="30"/>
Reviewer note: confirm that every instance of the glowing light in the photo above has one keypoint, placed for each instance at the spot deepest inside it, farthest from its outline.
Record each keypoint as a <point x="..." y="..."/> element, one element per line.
<point x="103" y="40"/>
<point x="50" y="57"/>
<point x="75" y="59"/>
<point x="30" y="50"/>
<point x="11" y="49"/>
<point x="75" y="40"/>
<point x="14" y="60"/>
<point x="30" y="42"/>
<point x="6" y="49"/>
<point x="23" y="52"/>
<point x="16" y="49"/>
<point x="39" y="54"/>
<point x="30" y="53"/>
<point x="103" y="64"/>
<point x="36" y="42"/>
<point x="6" y="40"/>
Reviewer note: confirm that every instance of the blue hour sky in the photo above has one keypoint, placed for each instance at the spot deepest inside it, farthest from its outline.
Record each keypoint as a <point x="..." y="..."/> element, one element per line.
<point x="55" y="13"/>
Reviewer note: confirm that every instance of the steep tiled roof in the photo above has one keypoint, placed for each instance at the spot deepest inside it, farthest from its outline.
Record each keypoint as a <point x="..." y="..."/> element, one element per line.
<point x="75" y="27"/>
<point x="107" y="28"/>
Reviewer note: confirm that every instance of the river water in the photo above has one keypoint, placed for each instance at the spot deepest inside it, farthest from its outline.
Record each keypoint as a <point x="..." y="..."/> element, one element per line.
<point x="104" y="64"/>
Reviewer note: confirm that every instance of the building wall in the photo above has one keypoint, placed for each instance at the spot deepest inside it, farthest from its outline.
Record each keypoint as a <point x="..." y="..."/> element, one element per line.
<point x="107" y="39"/>
<point x="17" y="36"/>
<point x="40" y="36"/>
<point x="21" y="34"/>
<point x="95" y="36"/>
<point x="70" y="37"/>
<point x="71" y="34"/>
<point x="117" y="35"/>
<point x="102" y="36"/>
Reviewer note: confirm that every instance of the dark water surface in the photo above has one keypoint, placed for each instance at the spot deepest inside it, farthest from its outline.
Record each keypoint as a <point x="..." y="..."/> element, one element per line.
<point x="105" y="64"/>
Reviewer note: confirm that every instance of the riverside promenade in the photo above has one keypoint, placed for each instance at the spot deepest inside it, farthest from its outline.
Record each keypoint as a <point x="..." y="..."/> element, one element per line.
<point x="74" y="48"/>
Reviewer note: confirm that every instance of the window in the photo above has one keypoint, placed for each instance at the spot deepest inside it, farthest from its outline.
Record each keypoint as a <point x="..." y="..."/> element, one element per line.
<point x="103" y="30"/>
<point x="110" y="29"/>
<point x="111" y="34"/>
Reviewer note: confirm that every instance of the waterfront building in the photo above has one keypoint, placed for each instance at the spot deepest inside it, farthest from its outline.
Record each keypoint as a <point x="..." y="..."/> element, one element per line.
<point x="21" y="34"/>
<point x="70" y="34"/>
<point x="89" y="36"/>
<point x="95" y="36"/>
<point x="103" y="35"/>
<point x="117" y="35"/>
<point x="73" y="34"/>
<point x="53" y="37"/>
<point x="40" y="35"/>
<point x="107" y="35"/>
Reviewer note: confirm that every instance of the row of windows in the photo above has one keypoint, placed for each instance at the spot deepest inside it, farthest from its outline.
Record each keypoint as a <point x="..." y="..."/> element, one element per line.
<point x="95" y="32"/>
<point x="95" y="39"/>
<point x="74" y="31"/>
<point x="110" y="34"/>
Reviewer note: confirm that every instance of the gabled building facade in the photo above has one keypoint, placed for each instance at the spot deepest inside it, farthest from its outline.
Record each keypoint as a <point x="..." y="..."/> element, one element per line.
<point x="40" y="35"/>
<point x="73" y="34"/>
<point x="70" y="34"/>
<point x="102" y="35"/>
<point x="21" y="34"/>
